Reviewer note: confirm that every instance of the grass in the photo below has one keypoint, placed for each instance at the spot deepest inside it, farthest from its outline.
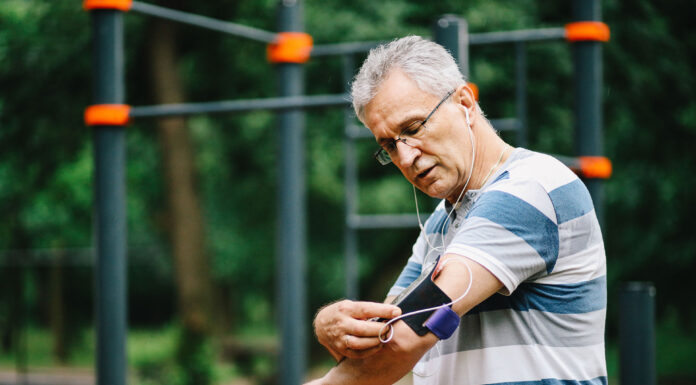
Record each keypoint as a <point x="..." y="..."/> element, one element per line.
<point x="151" y="355"/>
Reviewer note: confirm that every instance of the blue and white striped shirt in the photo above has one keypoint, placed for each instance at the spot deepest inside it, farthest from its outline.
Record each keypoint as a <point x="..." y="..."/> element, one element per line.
<point x="534" y="227"/>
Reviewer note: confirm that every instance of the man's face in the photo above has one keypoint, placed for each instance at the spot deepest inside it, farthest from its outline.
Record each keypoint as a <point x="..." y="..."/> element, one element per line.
<point x="437" y="159"/>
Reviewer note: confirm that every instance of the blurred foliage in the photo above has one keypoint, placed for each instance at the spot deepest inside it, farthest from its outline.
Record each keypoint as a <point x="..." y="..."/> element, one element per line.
<point x="46" y="152"/>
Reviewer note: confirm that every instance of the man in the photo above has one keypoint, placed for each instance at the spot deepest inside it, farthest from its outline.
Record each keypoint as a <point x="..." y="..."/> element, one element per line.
<point x="518" y="226"/>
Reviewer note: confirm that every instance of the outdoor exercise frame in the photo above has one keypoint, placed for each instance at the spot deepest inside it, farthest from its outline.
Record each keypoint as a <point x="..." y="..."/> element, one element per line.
<point x="288" y="49"/>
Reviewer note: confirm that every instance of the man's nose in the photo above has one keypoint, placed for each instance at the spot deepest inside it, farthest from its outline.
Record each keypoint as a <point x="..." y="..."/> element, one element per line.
<point x="407" y="154"/>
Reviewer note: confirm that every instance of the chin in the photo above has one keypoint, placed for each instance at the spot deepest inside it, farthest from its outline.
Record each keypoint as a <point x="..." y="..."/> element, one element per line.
<point x="433" y="192"/>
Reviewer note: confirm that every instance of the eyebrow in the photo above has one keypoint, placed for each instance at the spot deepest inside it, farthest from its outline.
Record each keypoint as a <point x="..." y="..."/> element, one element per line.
<point x="403" y="124"/>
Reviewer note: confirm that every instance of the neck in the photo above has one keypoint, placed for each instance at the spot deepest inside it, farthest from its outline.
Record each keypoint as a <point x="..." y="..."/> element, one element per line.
<point x="491" y="153"/>
<point x="492" y="156"/>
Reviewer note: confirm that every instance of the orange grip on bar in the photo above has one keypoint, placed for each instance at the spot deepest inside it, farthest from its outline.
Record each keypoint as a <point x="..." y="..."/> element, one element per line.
<point x="474" y="90"/>
<point x="107" y="115"/>
<point x="598" y="167"/>
<point x="290" y="47"/>
<point x="587" y="31"/>
<point x="123" y="5"/>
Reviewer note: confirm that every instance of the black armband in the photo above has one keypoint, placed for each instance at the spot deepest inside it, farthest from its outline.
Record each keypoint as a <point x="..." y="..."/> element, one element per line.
<point x="423" y="293"/>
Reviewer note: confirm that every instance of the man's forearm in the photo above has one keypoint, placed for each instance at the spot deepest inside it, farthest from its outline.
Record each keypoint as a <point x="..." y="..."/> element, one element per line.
<point x="388" y="365"/>
<point x="398" y="357"/>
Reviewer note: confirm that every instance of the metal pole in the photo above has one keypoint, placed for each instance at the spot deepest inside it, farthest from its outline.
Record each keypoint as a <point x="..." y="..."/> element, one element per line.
<point x="452" y="32"/>
<point x="637" y="334"/>
<point x="521" y="92"/>
<point x="19" y="329"/>
<point x="291" y="200"/>
<point x="110" y="191"/>
<point x="587" y="60"/>
<point x="351" y="178"/>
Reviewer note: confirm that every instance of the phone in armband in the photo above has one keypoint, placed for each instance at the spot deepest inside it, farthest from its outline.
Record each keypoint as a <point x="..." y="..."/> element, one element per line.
<point x="423" y="293"/>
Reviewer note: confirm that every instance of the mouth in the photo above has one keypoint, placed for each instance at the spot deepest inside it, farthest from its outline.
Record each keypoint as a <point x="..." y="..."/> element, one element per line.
<point x="425" y="173"/>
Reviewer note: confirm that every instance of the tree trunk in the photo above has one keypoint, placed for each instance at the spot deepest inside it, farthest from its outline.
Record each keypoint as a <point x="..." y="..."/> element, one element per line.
<point x="186" y="228"/>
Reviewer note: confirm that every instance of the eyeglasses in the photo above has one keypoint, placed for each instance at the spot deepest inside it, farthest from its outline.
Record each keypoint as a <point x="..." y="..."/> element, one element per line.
<point x="385" y="152"/>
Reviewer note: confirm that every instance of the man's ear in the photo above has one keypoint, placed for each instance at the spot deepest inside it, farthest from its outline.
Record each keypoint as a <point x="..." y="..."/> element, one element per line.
<point x="464" y="96"/>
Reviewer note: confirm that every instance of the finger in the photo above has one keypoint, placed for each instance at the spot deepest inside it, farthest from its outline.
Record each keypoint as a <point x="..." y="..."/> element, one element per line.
<point x="357" y="343"/>
<point x="363" y="353"/>
<point x="363" y="328"/>
<point x="366" y="310"/>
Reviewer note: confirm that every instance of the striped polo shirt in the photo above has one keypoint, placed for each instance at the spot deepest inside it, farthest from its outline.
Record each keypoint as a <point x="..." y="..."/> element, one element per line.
<point x="534" y="227"/>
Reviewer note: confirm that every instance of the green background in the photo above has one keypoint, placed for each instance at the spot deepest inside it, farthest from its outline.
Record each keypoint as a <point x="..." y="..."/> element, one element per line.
<point x="46" y="171"/>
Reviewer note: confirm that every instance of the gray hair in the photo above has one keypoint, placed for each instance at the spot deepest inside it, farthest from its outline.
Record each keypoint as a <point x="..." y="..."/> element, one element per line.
<point x="428" y="64"/>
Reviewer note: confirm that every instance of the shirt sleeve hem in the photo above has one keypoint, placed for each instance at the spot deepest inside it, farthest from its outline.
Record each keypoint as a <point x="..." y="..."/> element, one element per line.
<point x="491" y="264"/>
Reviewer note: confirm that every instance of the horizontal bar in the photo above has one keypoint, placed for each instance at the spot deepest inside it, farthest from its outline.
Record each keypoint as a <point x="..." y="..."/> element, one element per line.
<point x="344" y="48"/>
<point x="78" y="256"/>
<point x="383" y="221"/>
<point x="570" y="161"/>
<point x="281" y="103"/>
<point x="506" y="124"/>
<point x="205" y="22"/>
<point x="359" y="132"/>
<point x="523" y="35"/>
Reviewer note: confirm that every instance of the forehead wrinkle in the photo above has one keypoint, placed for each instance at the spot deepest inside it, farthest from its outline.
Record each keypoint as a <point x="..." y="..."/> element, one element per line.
<point x="394" y="106"/>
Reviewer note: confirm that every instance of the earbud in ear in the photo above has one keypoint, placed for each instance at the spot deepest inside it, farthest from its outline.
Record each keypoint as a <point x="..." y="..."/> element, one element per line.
<point x="466" y="114"/>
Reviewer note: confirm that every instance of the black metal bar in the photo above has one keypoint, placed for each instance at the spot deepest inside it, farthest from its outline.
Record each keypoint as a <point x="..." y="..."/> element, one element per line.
<point x="524" y="35"/>
<point x="521" y="92"/>
<point x="20" y="338"/>
<point x="344" y="48"/>
<point x="384" y="221"/>
<point x="205" y="22"/>
<point x="359" y="132"/>
<point x="229" y="106"/>
<point x="351" y="180"/>
<point x="570" y="161"/>
<point x="637" y="334"/>
<point x="506" y="124"/>
<point x="291" y="200"/>
<point x="110" y="192"/>
<point x="452" y="32"/>
<point x="503" y="124"/>
<point x="587" y="62"/>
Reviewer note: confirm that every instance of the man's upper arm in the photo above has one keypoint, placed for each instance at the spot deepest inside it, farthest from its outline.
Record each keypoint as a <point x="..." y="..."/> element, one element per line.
<point x="454" y="279"/>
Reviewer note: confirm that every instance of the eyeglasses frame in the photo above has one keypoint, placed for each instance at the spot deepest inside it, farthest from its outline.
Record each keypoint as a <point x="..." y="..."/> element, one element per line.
<point x="383" y="157"/>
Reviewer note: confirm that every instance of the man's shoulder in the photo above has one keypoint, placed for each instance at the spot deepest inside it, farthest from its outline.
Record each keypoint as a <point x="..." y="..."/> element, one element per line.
<point x="529" y="167"/>
<point x="543" y="182"/>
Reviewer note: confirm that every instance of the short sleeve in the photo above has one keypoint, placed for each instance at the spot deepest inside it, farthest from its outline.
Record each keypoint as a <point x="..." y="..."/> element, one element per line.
<point x="511" y="230"/>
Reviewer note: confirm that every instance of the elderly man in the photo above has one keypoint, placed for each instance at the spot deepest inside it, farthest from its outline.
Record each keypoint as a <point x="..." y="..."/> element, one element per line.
<point x="528" y="268"/>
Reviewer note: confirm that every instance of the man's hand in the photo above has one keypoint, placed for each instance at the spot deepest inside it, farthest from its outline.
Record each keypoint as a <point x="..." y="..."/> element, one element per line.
<point x="343" y="327"/>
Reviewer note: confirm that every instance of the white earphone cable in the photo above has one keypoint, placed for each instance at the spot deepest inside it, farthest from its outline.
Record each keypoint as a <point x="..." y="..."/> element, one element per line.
<point x="440" y="248"/>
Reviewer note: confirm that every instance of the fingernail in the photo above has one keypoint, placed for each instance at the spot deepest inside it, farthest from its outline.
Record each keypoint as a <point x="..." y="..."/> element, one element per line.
<point x="396" y="312"/>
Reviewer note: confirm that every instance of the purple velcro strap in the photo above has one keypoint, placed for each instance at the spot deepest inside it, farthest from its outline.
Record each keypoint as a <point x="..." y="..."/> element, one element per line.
<point x="443" y="322"/>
